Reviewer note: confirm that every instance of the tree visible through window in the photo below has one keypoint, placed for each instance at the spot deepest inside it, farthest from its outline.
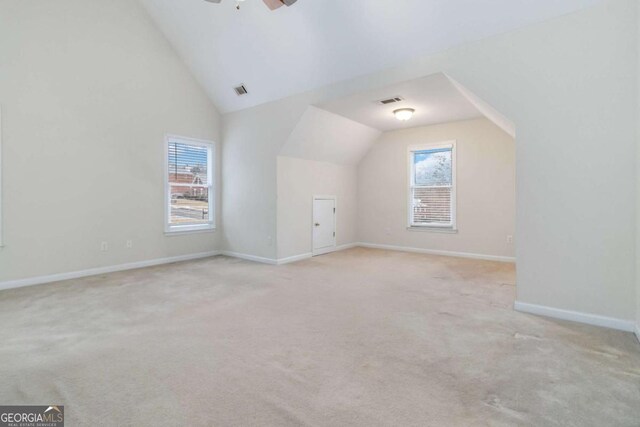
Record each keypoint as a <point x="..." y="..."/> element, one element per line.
<point x="189" y="185"/>
<point x="432" y="186"/>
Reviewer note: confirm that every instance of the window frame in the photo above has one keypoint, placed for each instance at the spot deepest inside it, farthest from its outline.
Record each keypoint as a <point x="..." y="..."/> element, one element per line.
<point x="411" y="150"/>
<point x="173" y="229"/>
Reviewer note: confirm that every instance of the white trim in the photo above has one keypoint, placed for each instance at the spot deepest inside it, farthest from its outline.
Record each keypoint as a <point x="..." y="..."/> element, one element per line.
<point x="438" y="252"/>
<point x="324" y="251"/>
<point x="188" y="232"/>
<point x="347" y="246"/>
<point x="428" y="229"/>
<point x="575" y="316"/>
<point x="295" y="258"/>
<point x="301" y="257"/>
<point x="178" y="230"/>
<point x="454" y="183"/>
<point x="332" y="248"/>
<point x="10" y="284"/>
<point x="211" y="186"/>
<point x="283" y="261"/>
<point x="248" y="257"/>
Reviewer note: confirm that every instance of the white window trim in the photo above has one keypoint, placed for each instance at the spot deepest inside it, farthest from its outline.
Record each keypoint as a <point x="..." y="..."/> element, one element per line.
<point x="211" y="161"/>
<point x="454" y="187"/>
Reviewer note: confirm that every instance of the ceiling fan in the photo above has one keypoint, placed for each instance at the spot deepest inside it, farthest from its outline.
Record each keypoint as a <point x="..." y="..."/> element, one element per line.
<point x="271" y="4"/>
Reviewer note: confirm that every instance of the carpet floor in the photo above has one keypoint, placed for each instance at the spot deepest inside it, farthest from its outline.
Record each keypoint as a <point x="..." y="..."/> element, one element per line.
<point x="356" y="338"/>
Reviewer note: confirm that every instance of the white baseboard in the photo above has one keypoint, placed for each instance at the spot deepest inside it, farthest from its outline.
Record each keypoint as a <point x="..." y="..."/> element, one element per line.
<point x="576" y="316"/>
<point x="438" y="252"/>
<point x="248" y="257"/>
<point x="347" y="246"/>
<point x="282" y="261"/>
<point x="591" y="319"/>
<point x="326" y="251"/>
<point x="149" y="263"/>
<point x="294" y="258"/>
<point x="39" y="280"/>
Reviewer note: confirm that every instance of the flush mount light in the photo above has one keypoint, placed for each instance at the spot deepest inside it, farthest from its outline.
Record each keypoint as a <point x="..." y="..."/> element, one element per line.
<point x="404" y="114"/>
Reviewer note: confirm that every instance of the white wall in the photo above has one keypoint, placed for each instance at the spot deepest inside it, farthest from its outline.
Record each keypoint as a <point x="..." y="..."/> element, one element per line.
<point x="485" y="172"/>
<point x="88" y="90"/>
<point x="252" y="140"/>
<point x="298" y="181"/>
<point x="638" y="176"/>
<point x="565" y="83"/>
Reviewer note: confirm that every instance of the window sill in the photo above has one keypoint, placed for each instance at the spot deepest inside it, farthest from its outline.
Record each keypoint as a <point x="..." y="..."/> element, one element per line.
<point x="444" y="230"/>
<point x="189" y="230"/>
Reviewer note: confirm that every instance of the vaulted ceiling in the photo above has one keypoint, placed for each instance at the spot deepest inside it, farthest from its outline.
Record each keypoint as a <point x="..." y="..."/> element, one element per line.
<point x="318" y="42"/>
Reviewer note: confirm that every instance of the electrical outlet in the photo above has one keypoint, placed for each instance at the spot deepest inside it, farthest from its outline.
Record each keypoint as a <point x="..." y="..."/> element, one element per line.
<point x="104" y="246"/>
<point x="269" y="241"/>
<point x="387" y="231"/>
<point x="129" y="244"/>
<point x="509" y="238"/>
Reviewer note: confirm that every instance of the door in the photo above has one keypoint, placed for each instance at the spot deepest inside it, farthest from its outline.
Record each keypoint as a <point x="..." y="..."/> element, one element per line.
<point x="324" y="225"/>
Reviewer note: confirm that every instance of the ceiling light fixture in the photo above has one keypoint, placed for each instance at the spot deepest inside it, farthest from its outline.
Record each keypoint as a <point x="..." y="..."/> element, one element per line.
<point x="404" y="114"/>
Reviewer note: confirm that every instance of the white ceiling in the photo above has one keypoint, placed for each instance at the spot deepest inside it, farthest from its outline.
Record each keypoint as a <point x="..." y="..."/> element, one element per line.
<point x="318" y="42"/>
<point x="434" y="98"/>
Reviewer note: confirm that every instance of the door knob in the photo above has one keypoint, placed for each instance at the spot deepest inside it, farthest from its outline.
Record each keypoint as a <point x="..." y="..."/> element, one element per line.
<point x="317" y="224"/>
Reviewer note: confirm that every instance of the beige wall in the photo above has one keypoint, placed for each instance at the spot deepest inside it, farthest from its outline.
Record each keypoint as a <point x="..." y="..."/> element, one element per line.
<point x="298" y="181"/>
<point x="485" y="190"/>
<point x="88" y="90"/>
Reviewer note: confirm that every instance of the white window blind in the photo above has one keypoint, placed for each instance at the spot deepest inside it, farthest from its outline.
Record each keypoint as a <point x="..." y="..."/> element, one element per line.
<point x="432" y="186"/>
<point x="189" y="190"/>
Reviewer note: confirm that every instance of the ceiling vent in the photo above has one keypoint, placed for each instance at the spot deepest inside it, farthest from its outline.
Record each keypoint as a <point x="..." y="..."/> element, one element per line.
<point x="390" y="100"/>
<point x="241" y="90"/>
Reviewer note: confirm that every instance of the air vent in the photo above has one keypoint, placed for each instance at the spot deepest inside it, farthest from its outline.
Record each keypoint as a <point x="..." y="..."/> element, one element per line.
<point x="391" y="100"/>
<point x="241" y="90"/>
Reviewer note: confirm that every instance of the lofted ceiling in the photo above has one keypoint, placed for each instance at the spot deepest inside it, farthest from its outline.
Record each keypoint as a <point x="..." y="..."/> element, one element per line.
<point x="326" y="137"/>
<point x="318" y="42"/>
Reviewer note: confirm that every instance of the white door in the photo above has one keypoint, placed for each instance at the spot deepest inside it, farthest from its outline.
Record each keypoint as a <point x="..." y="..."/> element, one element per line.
<point x="324" y="225"/>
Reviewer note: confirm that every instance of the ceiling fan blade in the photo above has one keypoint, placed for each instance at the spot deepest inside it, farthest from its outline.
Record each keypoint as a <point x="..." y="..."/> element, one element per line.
<point x="289" y="2"/>
<point x="273" y="4"/>
<point x="213" y="1"/>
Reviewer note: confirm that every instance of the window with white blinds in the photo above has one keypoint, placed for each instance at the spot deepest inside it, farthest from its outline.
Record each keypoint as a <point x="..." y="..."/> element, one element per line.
<point x="432" y="191"/>
<point x="189" y="191"/>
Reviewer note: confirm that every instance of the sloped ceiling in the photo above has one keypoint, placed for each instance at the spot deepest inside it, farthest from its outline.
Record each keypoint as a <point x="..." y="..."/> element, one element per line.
<point x="327" y="137"/>
<point x="434" y="97"/>
<point x="344" y="129"/>
<point x="485" y="109"/>
<point x="318" y="42"/>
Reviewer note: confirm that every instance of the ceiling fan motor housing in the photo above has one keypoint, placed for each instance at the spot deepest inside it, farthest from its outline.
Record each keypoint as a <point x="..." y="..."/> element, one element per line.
<point x="271" y="4"/>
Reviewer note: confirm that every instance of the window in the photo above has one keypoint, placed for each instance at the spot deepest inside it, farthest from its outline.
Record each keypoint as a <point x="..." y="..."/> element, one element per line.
<point x="189" y="195"/>
<point x="432" y="186"/>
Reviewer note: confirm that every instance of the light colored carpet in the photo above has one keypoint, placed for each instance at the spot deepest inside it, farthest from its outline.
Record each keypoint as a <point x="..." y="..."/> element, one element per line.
<point x="361" y="337"/>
